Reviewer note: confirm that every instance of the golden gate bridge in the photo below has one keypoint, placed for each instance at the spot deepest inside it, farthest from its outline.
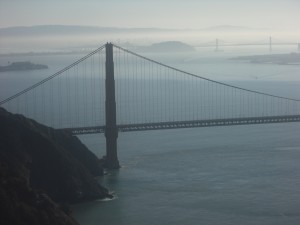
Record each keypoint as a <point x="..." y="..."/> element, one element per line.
<point x="115" y="90"/>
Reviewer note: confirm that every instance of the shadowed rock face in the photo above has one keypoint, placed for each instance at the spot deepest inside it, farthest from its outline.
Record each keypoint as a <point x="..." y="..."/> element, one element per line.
<point x="21" y="205"/>
<point x="36" y="162"/>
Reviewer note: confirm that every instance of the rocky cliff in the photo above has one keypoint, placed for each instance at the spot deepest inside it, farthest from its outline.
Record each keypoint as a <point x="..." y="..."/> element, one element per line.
<point x="40" y="166"/>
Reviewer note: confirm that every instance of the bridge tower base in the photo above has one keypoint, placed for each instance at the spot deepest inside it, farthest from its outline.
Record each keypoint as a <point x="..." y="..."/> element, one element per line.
<point x="111" y="130"/>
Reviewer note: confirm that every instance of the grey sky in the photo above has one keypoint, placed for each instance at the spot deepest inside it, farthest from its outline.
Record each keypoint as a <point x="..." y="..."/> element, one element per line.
<point x="155" y="13"/>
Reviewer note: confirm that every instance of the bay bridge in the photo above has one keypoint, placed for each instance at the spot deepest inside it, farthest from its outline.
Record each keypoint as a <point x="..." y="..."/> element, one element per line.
<point x="113" y="90"/>
<point x="269" y="43"/>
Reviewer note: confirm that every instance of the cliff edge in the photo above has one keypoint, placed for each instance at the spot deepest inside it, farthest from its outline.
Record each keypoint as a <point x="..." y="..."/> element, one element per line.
<point x="40" y="170"/>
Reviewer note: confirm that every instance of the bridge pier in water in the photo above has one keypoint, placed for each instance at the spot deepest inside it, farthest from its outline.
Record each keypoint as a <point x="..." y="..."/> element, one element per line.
<point x="111" y="130"/>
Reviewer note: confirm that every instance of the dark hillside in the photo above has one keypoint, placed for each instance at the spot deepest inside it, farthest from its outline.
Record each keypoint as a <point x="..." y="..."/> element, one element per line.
<point x="39" y="164"/>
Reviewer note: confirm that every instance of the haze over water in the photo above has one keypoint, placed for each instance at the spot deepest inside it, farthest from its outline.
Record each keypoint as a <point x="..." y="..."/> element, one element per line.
<point x="221" y="175"/>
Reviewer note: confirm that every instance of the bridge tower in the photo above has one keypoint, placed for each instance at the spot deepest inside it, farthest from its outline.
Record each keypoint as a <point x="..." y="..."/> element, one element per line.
<point x="111" y="130"/>
<point x="217" y="45"/>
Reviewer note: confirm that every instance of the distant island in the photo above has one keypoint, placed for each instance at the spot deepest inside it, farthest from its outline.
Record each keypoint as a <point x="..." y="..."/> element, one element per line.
<point x="167" y="46"/>
<point x="21" y="66"/>
<point x="282" y="59"/>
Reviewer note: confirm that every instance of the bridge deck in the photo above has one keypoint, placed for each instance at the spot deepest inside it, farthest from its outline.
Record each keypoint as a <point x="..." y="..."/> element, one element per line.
<point x="186" y="124"/>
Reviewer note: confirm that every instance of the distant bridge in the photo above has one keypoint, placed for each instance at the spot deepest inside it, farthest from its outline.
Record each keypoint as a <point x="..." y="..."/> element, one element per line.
<point x="217" y="44"/>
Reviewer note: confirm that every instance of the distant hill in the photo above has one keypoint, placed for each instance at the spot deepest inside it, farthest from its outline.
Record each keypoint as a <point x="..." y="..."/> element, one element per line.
<point x="167" y="46"/>
<point x="68" y="30"/>
<point x="84" y="30"/>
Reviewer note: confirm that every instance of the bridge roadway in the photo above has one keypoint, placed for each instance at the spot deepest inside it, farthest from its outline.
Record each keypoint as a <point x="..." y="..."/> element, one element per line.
<point x="186" y="124"/>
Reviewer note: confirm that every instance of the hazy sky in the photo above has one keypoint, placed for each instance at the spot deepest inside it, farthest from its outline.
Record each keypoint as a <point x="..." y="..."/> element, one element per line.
<point x="153" y="13"/>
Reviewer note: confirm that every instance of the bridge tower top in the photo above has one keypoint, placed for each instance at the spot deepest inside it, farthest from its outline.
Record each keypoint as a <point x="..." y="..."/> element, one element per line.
<point x="270" y="44"/>
<point x="217" y="45"/>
